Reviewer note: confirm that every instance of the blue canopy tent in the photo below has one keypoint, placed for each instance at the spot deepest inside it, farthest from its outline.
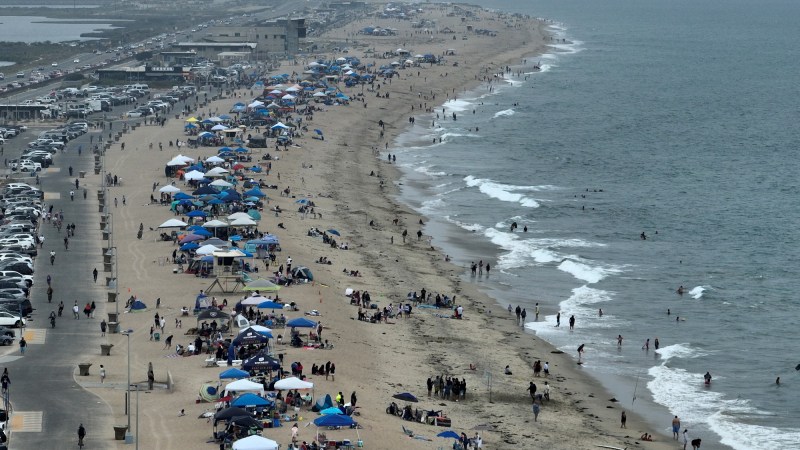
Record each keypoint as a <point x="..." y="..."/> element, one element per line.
<point x="261" y="363"/>
<point x="205" y="190"/>
<point x="233" y="373"/>
<point x="334" y="420"/>
<point x="301" y="322"/>
<point x="182" y="196"/>
<point x="250" y="400"/>
<point x="251" y="337"/>
<point x="270" y="305"/>
<point x="255" y="192"/>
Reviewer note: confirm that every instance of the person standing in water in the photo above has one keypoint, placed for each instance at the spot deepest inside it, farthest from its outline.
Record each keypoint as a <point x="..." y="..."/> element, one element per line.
<point x="707" y="377"/>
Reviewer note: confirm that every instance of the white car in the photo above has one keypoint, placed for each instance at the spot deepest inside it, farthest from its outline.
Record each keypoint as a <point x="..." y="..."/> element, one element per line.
<point x="134" y="113"/>
<point x="11" y="320"/>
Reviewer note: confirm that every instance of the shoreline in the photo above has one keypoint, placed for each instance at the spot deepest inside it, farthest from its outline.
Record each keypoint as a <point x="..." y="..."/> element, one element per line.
<point x="405" y="353"/>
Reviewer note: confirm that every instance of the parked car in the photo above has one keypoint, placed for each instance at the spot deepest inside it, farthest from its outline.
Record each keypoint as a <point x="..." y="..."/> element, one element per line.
<point x="9" y="319"/>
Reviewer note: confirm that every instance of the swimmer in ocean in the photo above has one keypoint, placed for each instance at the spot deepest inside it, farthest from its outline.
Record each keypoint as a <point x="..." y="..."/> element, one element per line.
<point x="680" y="290"/>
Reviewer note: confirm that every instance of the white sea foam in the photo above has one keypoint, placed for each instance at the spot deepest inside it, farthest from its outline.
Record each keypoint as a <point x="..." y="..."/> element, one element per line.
<point x="505" y="112"/>
<point x="503" y="192"/>
<point x="426" y="170"/>
<point x="432" y="205"/>
<point x="457" y="105"/>
<point x="697" y="291"/>
<point x="685" y="395"/>
<point x="585" y="272"/>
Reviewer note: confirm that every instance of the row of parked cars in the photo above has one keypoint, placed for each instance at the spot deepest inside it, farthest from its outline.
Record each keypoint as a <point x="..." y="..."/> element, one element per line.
<point x="39" y="153"/>
<point x="22" y="206"/>
<point x="162" y="102"/>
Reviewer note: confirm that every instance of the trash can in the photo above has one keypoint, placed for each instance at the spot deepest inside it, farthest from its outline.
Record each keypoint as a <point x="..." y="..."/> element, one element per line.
<point x="82" y="174"/>
<point x="119" y="433"/>
<point x="105" y="349"/>
<point x="157" y="336"/>
<point x="113" y="327"/>
<point x="84" y="369"/>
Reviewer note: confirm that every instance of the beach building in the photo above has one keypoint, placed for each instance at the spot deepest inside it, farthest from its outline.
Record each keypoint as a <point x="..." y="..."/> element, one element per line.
<point x="281" y="36"/>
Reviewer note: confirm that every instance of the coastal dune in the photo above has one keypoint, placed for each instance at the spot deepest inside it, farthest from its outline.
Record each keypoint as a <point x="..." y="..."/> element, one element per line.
<point x="349" y="179"/>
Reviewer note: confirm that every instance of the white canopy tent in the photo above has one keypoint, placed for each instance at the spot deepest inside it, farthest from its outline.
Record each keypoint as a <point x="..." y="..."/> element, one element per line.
<point x="293" y="383"/>
<point x="193" y="175"/>
<point x="255" y="442"/>
<point x="245" y="385"/>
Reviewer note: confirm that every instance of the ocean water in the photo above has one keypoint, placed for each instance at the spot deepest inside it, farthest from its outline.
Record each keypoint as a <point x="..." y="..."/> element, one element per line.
<point x="677" y="119"/>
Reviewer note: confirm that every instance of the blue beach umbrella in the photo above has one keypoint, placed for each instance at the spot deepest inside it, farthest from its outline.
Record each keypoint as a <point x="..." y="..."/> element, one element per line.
<point x="334" y="232"/>
<point x="182" y="196"/>
<point x="331" y="410"/>
<point x="203" y="232"/>
<point x="197" y="213"/>
<point x="189" y="246"/>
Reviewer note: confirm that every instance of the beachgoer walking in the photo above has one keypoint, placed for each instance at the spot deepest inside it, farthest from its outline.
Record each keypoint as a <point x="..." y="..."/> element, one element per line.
<point x="103" y="327"/>
<point x="535" y="412"/>
<point x="536" y="311"/>
<point x="558" y="319"/>
<point x="102" y="374"/>
<point x="623" y="420"/>
<point x="22" y="345"/>
<point x="532" y="389"/>
<point x="571" y="322"/>
<point x="76" y="310"/>
<point x="523" y="314"/>
<point x="94" y="274"/>
<point x="685" y="438"/>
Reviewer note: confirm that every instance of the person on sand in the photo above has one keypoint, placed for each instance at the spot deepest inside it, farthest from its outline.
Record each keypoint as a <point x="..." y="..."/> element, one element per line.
<point x="535" y="412"/>
<point x="676" y="427"/>
<point x="507" y="371"/>
<point x="685" y="438"/>
<point x="646" y="437"/>
<point x="532" y="389"/>
<point x="623" y="420"/>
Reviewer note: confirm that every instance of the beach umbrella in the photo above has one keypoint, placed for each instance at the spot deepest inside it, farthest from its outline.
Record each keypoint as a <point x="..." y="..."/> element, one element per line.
<point x="192" y="120"/>
<point x="244" y="386"/>
<point x="216" y="172"/>
<point x="235" y="238"/>
<point x="182" y="196"/>
<point x="197" y="213"/>
<point x="202" y="232"/>
<point x="193" y="175"/>
<point x="261" y="284"/>
<point x="269" y="304"/>
<point x="449" y="434"/>
<point x="238" y="215"/>
<point x="221" y="183"/>
<point x="331" y="410"/>
<point x="405" y="396"/>
<point x="255" y="215"/>
<point x="190" y="238"/>
<point x="169" y="189"/>
<point x="302" y="201"/>
<point x="225" y="117"/>
<point x="214" y="119"/>
<point x="216" y="201"/>
<point x="255" y="442"/>
<point x="206" y="249"/>
<point x="216" y="242"/>
<point x="189" y="246"/>
<point x="218" y="127"/>
<point x="319" y="94"/>
<point x="279" y="126"/>
<point x="241" y="150"/>
<point x="257" y="103"/>
<point x="301" y="322"/>
<point x="333" y="420"/>
<point x="173" y="223"/>
<point x="205" y="134"/>
<point x="255" y="192"/>
<point x="334" y="232"/>
<point x="215" y="160"/>
<point x="205" y="190"/>
<point x="233" y="373"/>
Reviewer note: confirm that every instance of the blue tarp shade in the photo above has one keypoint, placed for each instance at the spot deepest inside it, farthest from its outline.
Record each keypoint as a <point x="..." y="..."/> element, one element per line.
<point x="270" y="305"/>
<point x="233" y="373"/>
<point x="301" y="322"/>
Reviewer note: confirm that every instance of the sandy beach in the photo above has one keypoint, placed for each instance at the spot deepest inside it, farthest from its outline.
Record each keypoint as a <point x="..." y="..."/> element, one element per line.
<point x="349" y="179"/>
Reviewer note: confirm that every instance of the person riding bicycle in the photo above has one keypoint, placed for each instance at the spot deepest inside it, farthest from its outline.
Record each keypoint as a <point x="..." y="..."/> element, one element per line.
<point x="81" y="434"/>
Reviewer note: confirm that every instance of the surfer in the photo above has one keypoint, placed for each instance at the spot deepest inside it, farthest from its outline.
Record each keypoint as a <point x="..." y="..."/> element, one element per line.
<point x="778" y="381"/>
<point x="680" y="290"/>
<point x="643" y="236"/>
<point x="706" y="377"/>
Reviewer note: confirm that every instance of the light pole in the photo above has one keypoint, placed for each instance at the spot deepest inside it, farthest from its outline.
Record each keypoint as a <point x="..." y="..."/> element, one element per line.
<point x="128" y="437"/>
